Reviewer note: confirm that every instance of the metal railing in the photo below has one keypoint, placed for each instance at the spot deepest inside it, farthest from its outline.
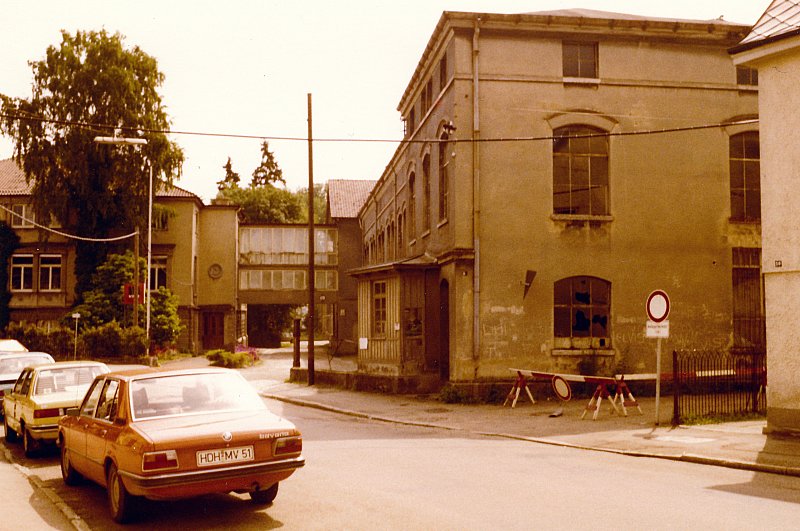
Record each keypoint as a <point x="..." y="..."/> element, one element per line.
<point x="718" y="383"/>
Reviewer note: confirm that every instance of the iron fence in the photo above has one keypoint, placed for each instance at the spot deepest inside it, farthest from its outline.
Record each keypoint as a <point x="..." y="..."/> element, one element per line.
<point x="718" y="383"/>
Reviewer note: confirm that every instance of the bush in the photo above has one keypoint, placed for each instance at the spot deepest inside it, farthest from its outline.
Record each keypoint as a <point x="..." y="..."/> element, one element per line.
<point x="451" y="394"/>
<point x="112" y="341"/>
<point x="59" y="342"/>
<point x="231" y="360"/>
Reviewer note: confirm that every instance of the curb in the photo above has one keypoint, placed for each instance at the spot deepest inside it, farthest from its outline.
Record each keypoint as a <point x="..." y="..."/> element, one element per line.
<point x="77" y="522"/>
<point x="684" y="457"/>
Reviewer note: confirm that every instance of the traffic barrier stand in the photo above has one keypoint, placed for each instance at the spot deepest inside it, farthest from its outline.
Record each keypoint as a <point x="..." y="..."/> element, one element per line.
<point x="600" y="393"/>
<point x="626" y="398"/>
<point x="519" y="384"/>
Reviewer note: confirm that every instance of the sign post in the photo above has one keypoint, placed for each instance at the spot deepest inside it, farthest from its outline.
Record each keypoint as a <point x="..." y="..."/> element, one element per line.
<point x="658" y="327"/>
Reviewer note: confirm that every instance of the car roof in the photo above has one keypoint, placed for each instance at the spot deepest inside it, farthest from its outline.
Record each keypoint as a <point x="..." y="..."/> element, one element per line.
<point x="69" y="364"/>
<point x="12" y="345"/>
<point x="148" y="372"/>
<point x="23" y="354"/>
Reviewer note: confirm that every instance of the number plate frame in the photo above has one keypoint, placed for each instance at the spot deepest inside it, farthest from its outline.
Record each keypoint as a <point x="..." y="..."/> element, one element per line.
<point x="224" y="456"/>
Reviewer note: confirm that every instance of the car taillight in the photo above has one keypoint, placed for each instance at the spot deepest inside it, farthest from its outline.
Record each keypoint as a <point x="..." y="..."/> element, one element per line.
<point x="288" y="445"/>
<point x="45" y="413"/>
<point x="160" y="460"/>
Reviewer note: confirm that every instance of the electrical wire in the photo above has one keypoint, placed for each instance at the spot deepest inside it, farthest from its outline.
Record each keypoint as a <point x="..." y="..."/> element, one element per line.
<point x="382" y="140"/>
<point x="66" y="235"/>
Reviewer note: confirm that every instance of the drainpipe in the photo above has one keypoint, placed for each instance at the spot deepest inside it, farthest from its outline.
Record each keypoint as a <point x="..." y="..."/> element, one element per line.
<point x="476" y="198"/>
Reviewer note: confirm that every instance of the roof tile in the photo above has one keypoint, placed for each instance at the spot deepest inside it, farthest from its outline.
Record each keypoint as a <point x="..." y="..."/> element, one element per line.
<point x="347" y="196"/>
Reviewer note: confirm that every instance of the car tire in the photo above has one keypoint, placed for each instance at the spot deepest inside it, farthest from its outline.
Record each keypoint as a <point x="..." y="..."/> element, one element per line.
<point x="29" y="444"/>
<point x="68" y="473"/>
<point x="11" y="435"/>
<point x="263" y="497"/>
<point x="120" y="502"/>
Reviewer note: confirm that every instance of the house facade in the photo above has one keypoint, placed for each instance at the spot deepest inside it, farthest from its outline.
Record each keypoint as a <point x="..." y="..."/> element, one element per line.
<point x="557" y="168"/>
<point x="773" y="49"/>
<point x="194" y="254"/>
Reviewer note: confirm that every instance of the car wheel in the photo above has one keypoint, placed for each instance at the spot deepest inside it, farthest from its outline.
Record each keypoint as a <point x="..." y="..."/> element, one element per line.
<point x="11" y="435"/>
<point x="263" y="497"/>
<point x="29" y="444"/>
<point x="68" y="473"/>
<point x="120" y="502"/>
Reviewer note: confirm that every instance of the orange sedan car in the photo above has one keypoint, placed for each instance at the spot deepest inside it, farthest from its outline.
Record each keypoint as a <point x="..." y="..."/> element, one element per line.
<point x="169" y="434"/>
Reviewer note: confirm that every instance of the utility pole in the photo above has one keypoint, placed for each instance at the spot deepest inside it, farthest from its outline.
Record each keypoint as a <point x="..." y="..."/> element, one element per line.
<point x="310" y="323"/>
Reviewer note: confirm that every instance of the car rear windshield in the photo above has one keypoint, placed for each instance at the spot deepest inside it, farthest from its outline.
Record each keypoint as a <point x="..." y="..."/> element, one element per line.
<point x="192" y="393"/>
<point x="67" y="379"/>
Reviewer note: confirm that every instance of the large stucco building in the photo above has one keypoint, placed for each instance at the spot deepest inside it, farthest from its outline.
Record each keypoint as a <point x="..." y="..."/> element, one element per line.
<point x="773" y="48"/>
<point x="557" y="168"/>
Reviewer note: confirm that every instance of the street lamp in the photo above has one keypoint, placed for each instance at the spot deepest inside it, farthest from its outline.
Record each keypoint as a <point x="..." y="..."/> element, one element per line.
<point x="116" y="140"/>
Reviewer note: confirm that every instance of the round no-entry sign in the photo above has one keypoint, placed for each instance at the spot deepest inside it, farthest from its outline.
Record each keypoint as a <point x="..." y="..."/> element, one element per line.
<point x="658" y="306"/>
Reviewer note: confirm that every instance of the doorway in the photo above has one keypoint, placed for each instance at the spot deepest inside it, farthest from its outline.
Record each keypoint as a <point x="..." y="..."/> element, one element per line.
<point x="213" y="330"/>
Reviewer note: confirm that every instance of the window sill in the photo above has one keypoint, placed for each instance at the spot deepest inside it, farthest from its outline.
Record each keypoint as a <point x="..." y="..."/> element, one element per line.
<point x="587" y="81"/>
<point x="747" y="88"/>
<point x="744" y="221"/>
<point x="441" y="223"/>
<point x="583" y="352"/>
<point x="425" y="234"/>
<point x="571" y="218"/>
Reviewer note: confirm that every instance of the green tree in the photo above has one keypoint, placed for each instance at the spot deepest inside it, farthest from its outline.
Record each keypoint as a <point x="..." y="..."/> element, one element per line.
<point x="265" y="205"/>
<point x="91" y="85"/>
<point x="231" y="179"/>
<point x="104" y="303"/>
<point x="320" y="203"/>
<point x="9" y="242"/>
<point x="268" y="172"/>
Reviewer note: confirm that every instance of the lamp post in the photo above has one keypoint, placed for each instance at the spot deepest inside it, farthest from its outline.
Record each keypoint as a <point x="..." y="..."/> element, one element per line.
<point x="75" y="316"/>
<point x="116" y="140"/>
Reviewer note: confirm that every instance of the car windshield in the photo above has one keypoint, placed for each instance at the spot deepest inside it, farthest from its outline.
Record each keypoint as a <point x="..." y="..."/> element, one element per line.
<point x="17" y="363"/>
<point x="192" y="393"/>
<point x="66" y="379"/>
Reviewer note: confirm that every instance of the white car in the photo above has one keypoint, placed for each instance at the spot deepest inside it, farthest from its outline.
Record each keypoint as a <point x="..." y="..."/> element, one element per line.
<point x="11" y="365"/>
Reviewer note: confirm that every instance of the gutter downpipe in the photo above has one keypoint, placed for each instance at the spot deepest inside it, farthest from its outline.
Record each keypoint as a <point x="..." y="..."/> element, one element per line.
<point x="476" y="197"/>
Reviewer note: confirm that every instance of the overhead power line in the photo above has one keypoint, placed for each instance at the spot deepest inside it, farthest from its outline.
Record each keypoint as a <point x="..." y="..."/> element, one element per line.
<point x="98" y="127"/>
<point x="67" y="235"/>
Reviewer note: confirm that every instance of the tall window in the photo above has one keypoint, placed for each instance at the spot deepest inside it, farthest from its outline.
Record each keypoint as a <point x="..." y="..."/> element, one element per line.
<point x="401" y="220"/>
<point x="426" y="192"/>
<point x="748" y="304"/>
<point x="379" y="308"/>
<point x="579" y="59"/>
<point x="581" y="307"/>
<point x="580" y="171"/>
<point x="49" y="272"/>
<point x="443" y="72"/>
<point x="158" y="272"/>
<point x="22" y="272"/>
<point x="443" y="178"/>
<point x="745" y="168"/>
<point x="412" y="206"/>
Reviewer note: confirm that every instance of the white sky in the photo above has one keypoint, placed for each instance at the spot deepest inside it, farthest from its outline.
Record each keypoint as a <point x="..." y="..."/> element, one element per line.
<point x="245" y="68"/>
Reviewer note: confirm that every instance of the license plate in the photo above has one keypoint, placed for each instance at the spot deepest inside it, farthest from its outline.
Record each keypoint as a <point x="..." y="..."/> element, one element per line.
<point x="223" y="456"/>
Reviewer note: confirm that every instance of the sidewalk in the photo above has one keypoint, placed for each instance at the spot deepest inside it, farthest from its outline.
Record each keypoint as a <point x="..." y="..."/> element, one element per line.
<point x="736" y="444"/>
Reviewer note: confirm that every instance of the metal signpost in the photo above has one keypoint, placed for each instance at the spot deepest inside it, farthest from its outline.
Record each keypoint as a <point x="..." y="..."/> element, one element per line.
<point x="658" y="327"/>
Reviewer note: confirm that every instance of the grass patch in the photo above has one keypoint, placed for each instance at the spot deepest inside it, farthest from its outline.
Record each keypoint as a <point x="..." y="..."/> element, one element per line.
<point x="711" y="418"/>
<point x="231" y="360"/>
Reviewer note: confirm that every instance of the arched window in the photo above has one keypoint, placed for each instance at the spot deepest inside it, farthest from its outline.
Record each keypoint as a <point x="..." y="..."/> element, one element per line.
<point x="581" y="307"/>
<point x="580" y="171"/>
<point x="426" y="192"/>
<point x="745" y="167"/>
<point x="412" y="206"/>
<point x="443" y="178"/>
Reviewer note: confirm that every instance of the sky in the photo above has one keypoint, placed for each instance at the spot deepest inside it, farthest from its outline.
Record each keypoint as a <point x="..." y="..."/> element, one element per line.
<point x="246" y="67"/>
